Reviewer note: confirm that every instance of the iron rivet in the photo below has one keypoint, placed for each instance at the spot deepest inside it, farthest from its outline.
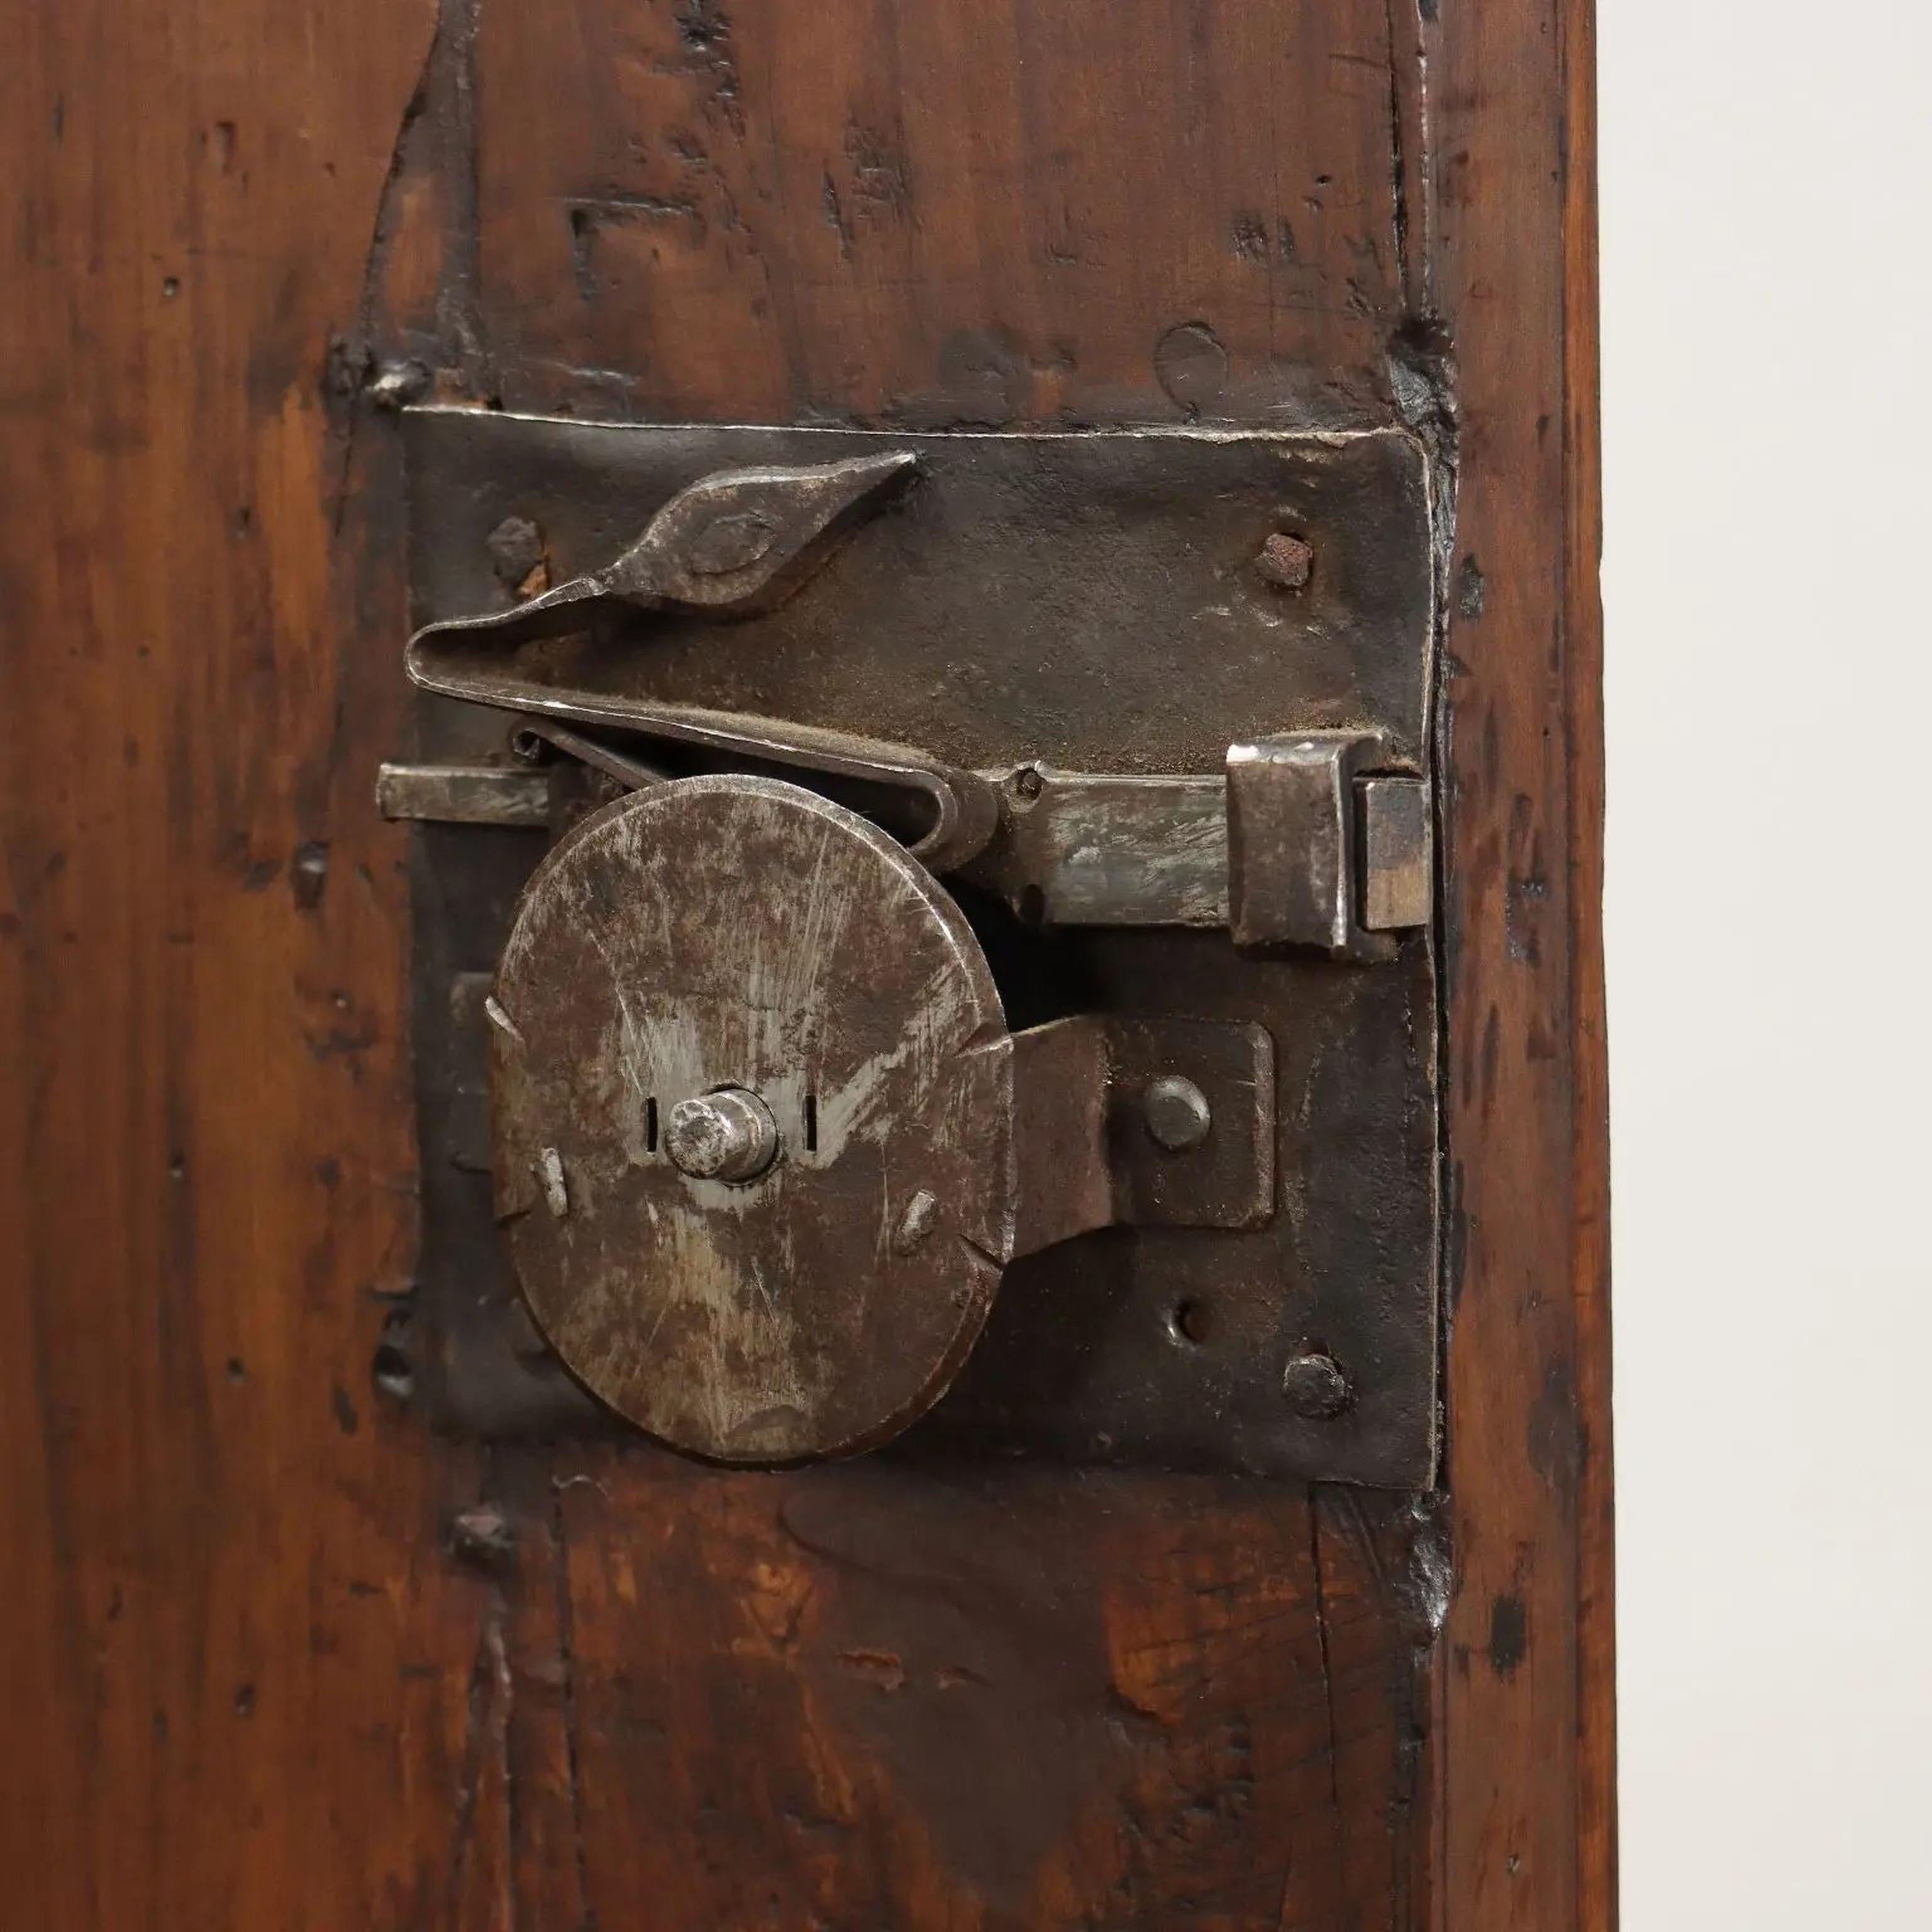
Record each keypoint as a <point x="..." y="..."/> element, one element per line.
<point x="1316" y="1388"/>
<point x="1286" y="561"/>
<point x="1176" y="1112"/>
<point x="516" y="547"/>
<point x="482" y="1535"/>
<point x="728" y="1135"/>
<point x="399" y="384"/>
<point x="729" y="543"/>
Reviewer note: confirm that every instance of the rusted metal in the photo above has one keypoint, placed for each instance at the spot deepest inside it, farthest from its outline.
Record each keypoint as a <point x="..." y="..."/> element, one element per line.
<point x="1286" y="560"/>
<point x="516" y="548"/>
<point x="484" y="1535"/>
<point x="1079" y="605"/>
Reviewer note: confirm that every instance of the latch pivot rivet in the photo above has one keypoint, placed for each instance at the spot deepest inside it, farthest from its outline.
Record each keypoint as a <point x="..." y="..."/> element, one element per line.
<point x="1316" y="1388"/>
<point x="728" y="1135"/>
<point x="1176" y="1112"/>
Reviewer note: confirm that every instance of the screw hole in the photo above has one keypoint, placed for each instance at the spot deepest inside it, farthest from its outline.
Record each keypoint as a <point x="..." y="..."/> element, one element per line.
<point x="1191" y="1323"/>
<point x="395" y="1373"/>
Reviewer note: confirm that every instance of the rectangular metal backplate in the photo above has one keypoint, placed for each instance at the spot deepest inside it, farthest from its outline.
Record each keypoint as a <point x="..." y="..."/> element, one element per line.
<point x="1084" y="602"/>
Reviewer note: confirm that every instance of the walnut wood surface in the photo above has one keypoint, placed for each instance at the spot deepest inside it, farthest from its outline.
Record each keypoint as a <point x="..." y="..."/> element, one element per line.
<point x="269" y="1664"/>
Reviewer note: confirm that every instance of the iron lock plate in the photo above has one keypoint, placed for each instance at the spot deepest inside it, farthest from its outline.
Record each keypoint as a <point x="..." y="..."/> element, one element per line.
<point x="1054" y="603"/>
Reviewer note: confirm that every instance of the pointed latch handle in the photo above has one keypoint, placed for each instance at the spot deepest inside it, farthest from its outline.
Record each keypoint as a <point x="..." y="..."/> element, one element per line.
<point x="731" y="545"/>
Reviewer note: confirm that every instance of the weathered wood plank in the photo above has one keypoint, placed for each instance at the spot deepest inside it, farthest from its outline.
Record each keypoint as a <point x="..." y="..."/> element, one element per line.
<point x="1525" y="1696"/>
<point x="235" y="1675"/>
<point x="882" y="1694"/>
<point x="944" y="214"/>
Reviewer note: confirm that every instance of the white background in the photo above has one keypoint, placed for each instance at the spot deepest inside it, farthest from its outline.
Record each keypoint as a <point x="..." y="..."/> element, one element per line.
<point x="1766" y="220"/>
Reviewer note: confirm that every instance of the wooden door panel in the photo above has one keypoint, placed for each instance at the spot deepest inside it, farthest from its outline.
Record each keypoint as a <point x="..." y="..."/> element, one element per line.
<point x="279" y="1655"/>
<point x="943" y="215"/>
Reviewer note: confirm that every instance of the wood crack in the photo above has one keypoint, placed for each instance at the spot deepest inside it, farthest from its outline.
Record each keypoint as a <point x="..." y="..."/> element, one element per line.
<point x="1322" y="1638"/>
<point x="566" y="1655"/>
<point x="437" y="134"/>
<point x="486" y="1751"/>
<point x="1399" y="160"/>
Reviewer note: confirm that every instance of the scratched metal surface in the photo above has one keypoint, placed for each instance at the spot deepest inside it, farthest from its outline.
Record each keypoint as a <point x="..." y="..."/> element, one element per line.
<point x="1089" y="601"/>
<point x="741" y="932"/>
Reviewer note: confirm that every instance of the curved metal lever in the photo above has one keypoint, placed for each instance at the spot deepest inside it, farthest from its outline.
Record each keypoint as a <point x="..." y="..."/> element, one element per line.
<point x="730" y="544"/>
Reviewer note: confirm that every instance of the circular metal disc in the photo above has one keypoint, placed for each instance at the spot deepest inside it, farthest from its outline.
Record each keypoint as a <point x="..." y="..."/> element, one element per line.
<point x="733" y="932"/>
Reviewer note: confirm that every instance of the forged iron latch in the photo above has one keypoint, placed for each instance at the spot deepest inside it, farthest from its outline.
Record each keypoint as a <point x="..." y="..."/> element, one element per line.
<point x="749" y="1115"/>
<point x="1307" y="839"/>
<point x="1310" y="838"/>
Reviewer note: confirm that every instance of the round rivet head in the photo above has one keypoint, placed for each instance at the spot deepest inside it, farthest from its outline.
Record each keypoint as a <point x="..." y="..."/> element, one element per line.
<point x="1176" y="1112"/>
<point x="728" y="1135"/>
<point x="1316" y="1388"/>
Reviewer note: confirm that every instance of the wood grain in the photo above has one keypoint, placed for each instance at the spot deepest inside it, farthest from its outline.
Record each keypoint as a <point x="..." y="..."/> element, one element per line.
<point x="1525" y="1694"/>
<point x="235" y="1676"/>
<point x="259" y="1672"/>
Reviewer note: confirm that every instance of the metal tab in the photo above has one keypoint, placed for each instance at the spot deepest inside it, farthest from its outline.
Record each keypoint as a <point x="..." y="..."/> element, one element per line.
<point x="1222" y="1176"/>
<point x="463" y="794"/>
<point x="1087" y="1143"/>
<point x="1398" y="886"/>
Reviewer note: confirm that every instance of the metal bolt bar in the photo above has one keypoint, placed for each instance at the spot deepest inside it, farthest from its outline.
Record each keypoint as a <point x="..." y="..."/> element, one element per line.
<point x="1322" y="854"/>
